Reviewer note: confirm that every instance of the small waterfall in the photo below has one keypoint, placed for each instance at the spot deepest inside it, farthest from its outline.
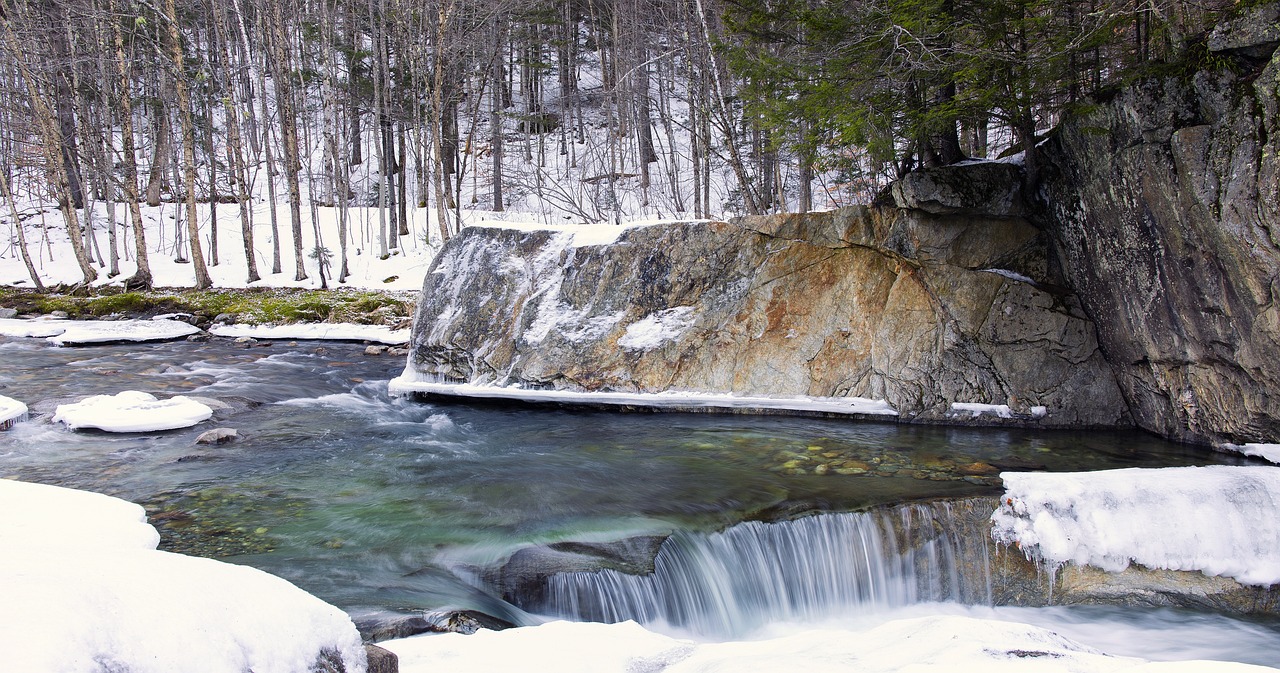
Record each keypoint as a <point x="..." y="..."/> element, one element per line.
<point x="726" y="583"/>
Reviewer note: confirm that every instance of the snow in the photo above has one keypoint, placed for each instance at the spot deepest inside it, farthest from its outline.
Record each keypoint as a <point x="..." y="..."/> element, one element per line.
<point x="583" y="235"/>
<point x="80" y="332"/>
<point x="64" y="517"/>
<point x="1011" y="275"/>
<point x="10" y="410"/>
<point x="975" y="409"/>
<point x="132" y="411"/>
<point x="942" y="643"/>
<point x="86" y="590"/>
<point x="327" y="331"/>
<point x="411" y="382"/>
<point x="1219" y="520"/>
<point x="657" y="328"/>
<point x="1269" y="452"/>
<point x="73" y="332"/>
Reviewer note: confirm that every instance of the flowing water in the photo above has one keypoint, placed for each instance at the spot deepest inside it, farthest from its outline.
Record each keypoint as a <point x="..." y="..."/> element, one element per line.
<point x="384" y="506"/>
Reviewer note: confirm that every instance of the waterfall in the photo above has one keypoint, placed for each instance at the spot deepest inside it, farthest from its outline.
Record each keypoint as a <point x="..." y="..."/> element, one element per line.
<point x="726" y="583"/>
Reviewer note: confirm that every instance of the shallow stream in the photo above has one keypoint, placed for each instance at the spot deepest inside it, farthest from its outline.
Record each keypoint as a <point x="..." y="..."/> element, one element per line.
<point x="382" y="505"/>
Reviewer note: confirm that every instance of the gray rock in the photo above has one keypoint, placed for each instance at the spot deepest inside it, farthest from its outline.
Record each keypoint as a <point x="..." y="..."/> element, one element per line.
<point x="1166" y="227"/>
<point x="375" y="350"/>
<point x="218" y="436"/>
<point x="1255" y="33"/>
<point x="58" y="314"/>
<point x="982" y="190"/>
<point x="917" y="309"/>
<point x="381" y="660"/>
<point x="8" y="313"/>
<point x="246" y="341"/>
<point x="226" y="318"/>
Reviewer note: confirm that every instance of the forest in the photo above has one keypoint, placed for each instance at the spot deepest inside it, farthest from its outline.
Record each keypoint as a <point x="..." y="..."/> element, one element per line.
<point x="598" y="110"/>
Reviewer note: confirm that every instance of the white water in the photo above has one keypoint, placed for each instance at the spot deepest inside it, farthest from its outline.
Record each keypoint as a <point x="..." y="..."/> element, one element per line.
<point x="728" y="583"/>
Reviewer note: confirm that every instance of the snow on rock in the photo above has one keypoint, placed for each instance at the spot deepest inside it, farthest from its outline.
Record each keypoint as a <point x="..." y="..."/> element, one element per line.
<point x="921" y="645"/>
<point x="582" y="234"/>
<point x="412" y="382"/>
<point x="32" y="329"/>
<point x="326" y="331"/>
<point x="86" y="590"/>
<point x="1269" y="452"/>
<point x="1220" y="520"/>
<point x="132" y="411"/>
<point x="71" y="332"/>
<point x="36" y="514"/>
<point x="10" y="410"/>
<point x="975" y="410"/>
<point x="78" y="332"/>
<point x="658" y="328"/>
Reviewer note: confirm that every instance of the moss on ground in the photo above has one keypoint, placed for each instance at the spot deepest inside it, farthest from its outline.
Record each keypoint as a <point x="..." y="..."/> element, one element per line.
<point x="259" y="306"/>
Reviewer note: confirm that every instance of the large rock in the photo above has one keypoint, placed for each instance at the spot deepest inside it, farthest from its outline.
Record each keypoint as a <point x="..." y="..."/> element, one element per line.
<point x="1164" y="208"/>
<point x="918" y="309"/>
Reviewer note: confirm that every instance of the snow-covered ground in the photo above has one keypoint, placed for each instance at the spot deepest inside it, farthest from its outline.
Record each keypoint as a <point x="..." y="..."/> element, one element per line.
<point x="86" y="590"/>
<point x="944" y="643"/>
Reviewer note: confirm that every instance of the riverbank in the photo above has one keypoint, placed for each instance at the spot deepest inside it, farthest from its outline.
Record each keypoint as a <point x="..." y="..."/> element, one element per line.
<point x="256" y="306"/>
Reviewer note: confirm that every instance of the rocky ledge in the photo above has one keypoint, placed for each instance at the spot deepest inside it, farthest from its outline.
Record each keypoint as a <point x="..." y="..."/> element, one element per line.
<point x="951" y="314"/>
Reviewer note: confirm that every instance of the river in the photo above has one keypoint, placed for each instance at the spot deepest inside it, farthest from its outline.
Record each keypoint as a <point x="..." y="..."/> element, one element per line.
<point x="386" y="506"/>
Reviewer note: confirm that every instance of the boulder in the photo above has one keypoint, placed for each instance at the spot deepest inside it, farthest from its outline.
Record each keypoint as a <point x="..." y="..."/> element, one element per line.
<point x="918" y="309"/>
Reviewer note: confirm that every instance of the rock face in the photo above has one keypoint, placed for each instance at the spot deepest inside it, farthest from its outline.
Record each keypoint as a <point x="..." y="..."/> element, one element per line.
<point x="917" y="308"/>
<point x="1164" y="210"/>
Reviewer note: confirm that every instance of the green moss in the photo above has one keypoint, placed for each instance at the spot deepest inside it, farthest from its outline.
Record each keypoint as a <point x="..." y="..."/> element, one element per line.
<point x="267" y="305"/>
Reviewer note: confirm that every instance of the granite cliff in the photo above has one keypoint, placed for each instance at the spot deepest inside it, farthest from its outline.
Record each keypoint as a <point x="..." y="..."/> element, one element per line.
<point x="1163" y="206"/>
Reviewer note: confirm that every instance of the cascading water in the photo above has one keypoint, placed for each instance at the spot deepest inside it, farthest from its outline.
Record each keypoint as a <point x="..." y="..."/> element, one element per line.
<point x="726" y="583"/>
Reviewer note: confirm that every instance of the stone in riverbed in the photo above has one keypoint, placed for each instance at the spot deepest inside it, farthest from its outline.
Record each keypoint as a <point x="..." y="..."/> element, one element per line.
<point x="218" y="436"/>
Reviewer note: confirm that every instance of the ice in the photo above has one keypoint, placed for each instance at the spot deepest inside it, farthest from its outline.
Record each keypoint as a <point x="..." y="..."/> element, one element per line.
<point x="941" y="643"/>
<point x="1268" y="452"/>
<point x="327" y="331"/>
<point x="10" y="410"/>
<point x="657" y="328"/>
<point x="975" y="409"/>
<point x="412" y="382"/>
<point x="86" y="590"/>
<point x="132" y="411"/>
<point x="1219" y="520"/>
<point x="1011" y="275"/>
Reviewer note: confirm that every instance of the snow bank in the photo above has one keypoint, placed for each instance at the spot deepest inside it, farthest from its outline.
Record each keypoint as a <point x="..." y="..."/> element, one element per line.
<point x="72" y="332"/>
<point x="79" y="332"/>
<point x="35" y="514"/>
<point x="937" y="643"/>
<point x="10" y="411"/>
<point x="326" y="331"/>
<point x="1220" y="520"/>
<point x="85" y="590"/>
<point x="132" y="411"/>
<point x="1268" y="452"/>
<point x="411" y="382"/>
